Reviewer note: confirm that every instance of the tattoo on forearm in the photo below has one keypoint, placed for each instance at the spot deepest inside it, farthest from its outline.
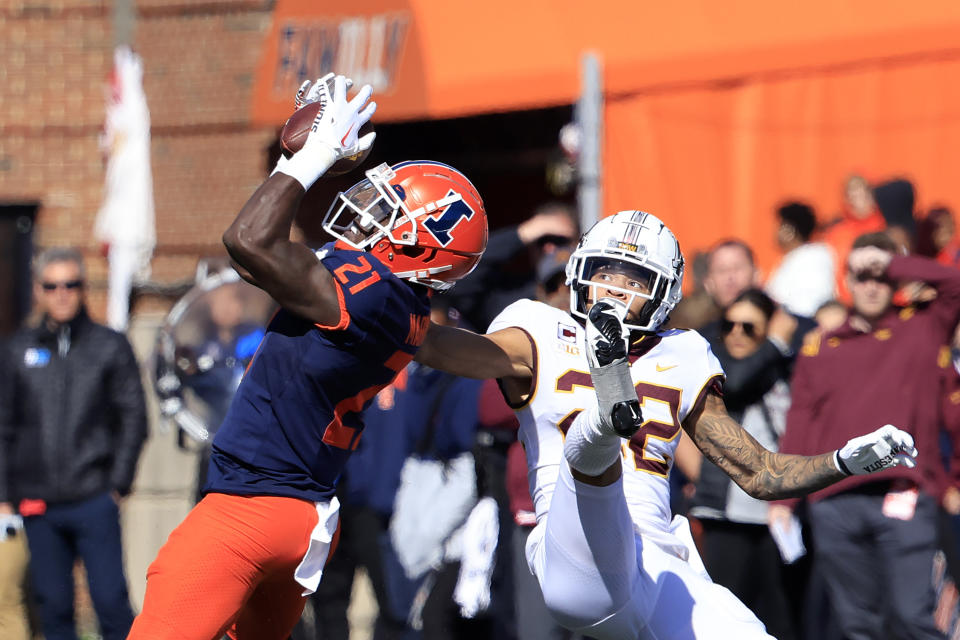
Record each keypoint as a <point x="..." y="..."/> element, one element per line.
<point x="761" y="473"/>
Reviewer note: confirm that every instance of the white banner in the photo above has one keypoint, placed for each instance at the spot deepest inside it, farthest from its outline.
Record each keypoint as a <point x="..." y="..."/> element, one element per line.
<point x="125" y="222"/>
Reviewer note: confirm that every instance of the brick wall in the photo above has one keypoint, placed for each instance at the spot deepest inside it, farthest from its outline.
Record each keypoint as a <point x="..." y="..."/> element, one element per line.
<point x="199" y="58"/>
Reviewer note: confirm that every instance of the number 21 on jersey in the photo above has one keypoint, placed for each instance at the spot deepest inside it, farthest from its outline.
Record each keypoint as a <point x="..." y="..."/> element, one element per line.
<point x="346" y="272"/>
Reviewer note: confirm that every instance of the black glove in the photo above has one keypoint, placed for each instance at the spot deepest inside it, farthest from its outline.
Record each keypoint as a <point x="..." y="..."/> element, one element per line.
<point x="610" y="346"/>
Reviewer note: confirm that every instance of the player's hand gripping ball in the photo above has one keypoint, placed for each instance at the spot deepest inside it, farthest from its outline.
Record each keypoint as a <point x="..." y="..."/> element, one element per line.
<point x="297" y="128"/>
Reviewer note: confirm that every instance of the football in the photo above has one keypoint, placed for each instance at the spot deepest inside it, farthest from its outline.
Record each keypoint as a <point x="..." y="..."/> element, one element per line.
<point x="297" y="128"/>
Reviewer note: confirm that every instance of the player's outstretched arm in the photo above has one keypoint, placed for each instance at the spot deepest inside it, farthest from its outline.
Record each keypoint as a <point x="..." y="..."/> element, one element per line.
<point x="507" y="353"/>
<point x="259" y="242"/>
<point x="767" y="475"/>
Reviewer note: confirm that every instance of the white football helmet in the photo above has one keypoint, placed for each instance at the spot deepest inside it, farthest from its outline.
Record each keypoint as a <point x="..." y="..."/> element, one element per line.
<point x="642" y="242"/>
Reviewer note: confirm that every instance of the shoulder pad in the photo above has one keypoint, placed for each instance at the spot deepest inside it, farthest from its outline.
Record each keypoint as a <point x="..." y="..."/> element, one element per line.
<point x="525" y="313"/>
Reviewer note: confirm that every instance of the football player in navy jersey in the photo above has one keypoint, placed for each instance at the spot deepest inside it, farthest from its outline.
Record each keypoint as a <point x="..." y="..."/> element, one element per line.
<point x="353" y="314"/>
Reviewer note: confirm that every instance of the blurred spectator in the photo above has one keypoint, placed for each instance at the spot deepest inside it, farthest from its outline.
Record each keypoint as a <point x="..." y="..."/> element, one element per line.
<point x="860" y="215"/>
<point x="875" y="536"/>
<point x="696" y="308"/>
<point x="494" y="440"/>
<point x="731" y="270"/>
<point x="229" y="346"/>
<point x="451" y="403"/>
<point x="76" y="421"/>
<point x="14" y="618"/>
<point x="902" y="239"/>
<point x="507" y="271"/>
<point x="830" y="315"/>
<point x="950" y="449"/>
<point x="551" y="278"/>
<point x="739" y="551"/>
<point x="895" y="199"/>
<point x="14" y="615"/>
<point x="806" y="277"/>
<point x="203" y="348"/>
<point x="937" y="237"/>
<point x="720" y="275"/>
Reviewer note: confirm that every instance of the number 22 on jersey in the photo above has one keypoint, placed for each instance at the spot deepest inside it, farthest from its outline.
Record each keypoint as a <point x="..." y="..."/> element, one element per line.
<point x="661" y="420"/>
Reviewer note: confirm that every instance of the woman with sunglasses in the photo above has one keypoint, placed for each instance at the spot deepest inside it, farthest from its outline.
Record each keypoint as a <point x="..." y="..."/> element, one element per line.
<point x="738" y="550"/>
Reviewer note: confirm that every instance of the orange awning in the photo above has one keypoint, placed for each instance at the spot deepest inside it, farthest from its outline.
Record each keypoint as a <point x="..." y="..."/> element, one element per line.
<point x="438" y="59"/>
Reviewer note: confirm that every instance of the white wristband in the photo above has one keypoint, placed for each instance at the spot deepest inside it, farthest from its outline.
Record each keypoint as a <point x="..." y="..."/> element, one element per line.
<point x="281" y="163"/>
<point x="841" y="467"/>
<point x="307" y="165"/>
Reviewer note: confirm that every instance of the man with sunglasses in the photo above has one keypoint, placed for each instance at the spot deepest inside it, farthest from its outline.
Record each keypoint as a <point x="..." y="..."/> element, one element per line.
<point x="875" y="536"/>
<point x="73" y="422"/>
<point x="727" y="327"/>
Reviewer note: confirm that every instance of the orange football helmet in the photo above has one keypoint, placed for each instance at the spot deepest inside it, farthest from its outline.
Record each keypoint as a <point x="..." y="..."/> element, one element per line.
<point x="423" y="219"/>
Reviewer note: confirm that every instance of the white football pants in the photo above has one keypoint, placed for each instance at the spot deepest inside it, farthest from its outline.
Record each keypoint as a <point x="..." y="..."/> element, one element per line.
<point x="601" y="579"/>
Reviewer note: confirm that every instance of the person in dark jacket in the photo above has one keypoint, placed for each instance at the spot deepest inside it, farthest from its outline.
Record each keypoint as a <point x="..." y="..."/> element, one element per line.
<point x="73" y="422"/>
<point x="739" y="550"/>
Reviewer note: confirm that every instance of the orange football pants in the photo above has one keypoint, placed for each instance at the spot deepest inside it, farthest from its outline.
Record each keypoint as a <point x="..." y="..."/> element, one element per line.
<point x="228" y="568"/>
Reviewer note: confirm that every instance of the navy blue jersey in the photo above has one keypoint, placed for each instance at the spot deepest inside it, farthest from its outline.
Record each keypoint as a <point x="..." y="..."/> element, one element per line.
<point x="297" y="413"/>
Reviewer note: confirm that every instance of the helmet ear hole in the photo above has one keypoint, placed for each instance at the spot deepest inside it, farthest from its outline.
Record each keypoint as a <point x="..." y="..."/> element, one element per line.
<point x="412" y="251"/>
<point x="425" y="255"/>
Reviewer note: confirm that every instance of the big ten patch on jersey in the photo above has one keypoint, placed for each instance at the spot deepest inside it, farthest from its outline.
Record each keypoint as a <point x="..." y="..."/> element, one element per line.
<point x="568" y="338"/>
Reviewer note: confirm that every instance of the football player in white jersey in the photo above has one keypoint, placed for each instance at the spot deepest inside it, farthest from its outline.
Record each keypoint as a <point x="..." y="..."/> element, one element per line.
<point x="602" y="393"/>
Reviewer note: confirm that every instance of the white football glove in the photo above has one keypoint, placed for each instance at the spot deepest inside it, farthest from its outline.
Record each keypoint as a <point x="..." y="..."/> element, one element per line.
<point x="309" y="90"/>
<point x="334" y="132"/>
<point x="884" y="448"/>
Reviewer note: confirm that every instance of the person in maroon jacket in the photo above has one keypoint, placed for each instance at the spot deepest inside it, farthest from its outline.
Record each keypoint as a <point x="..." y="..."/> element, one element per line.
<point x="950" y="456"/>
<point x="875" y="535"/>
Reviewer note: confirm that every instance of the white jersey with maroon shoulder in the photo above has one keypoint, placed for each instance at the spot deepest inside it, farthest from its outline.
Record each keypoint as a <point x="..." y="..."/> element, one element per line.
<point x="672" y="374"/>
